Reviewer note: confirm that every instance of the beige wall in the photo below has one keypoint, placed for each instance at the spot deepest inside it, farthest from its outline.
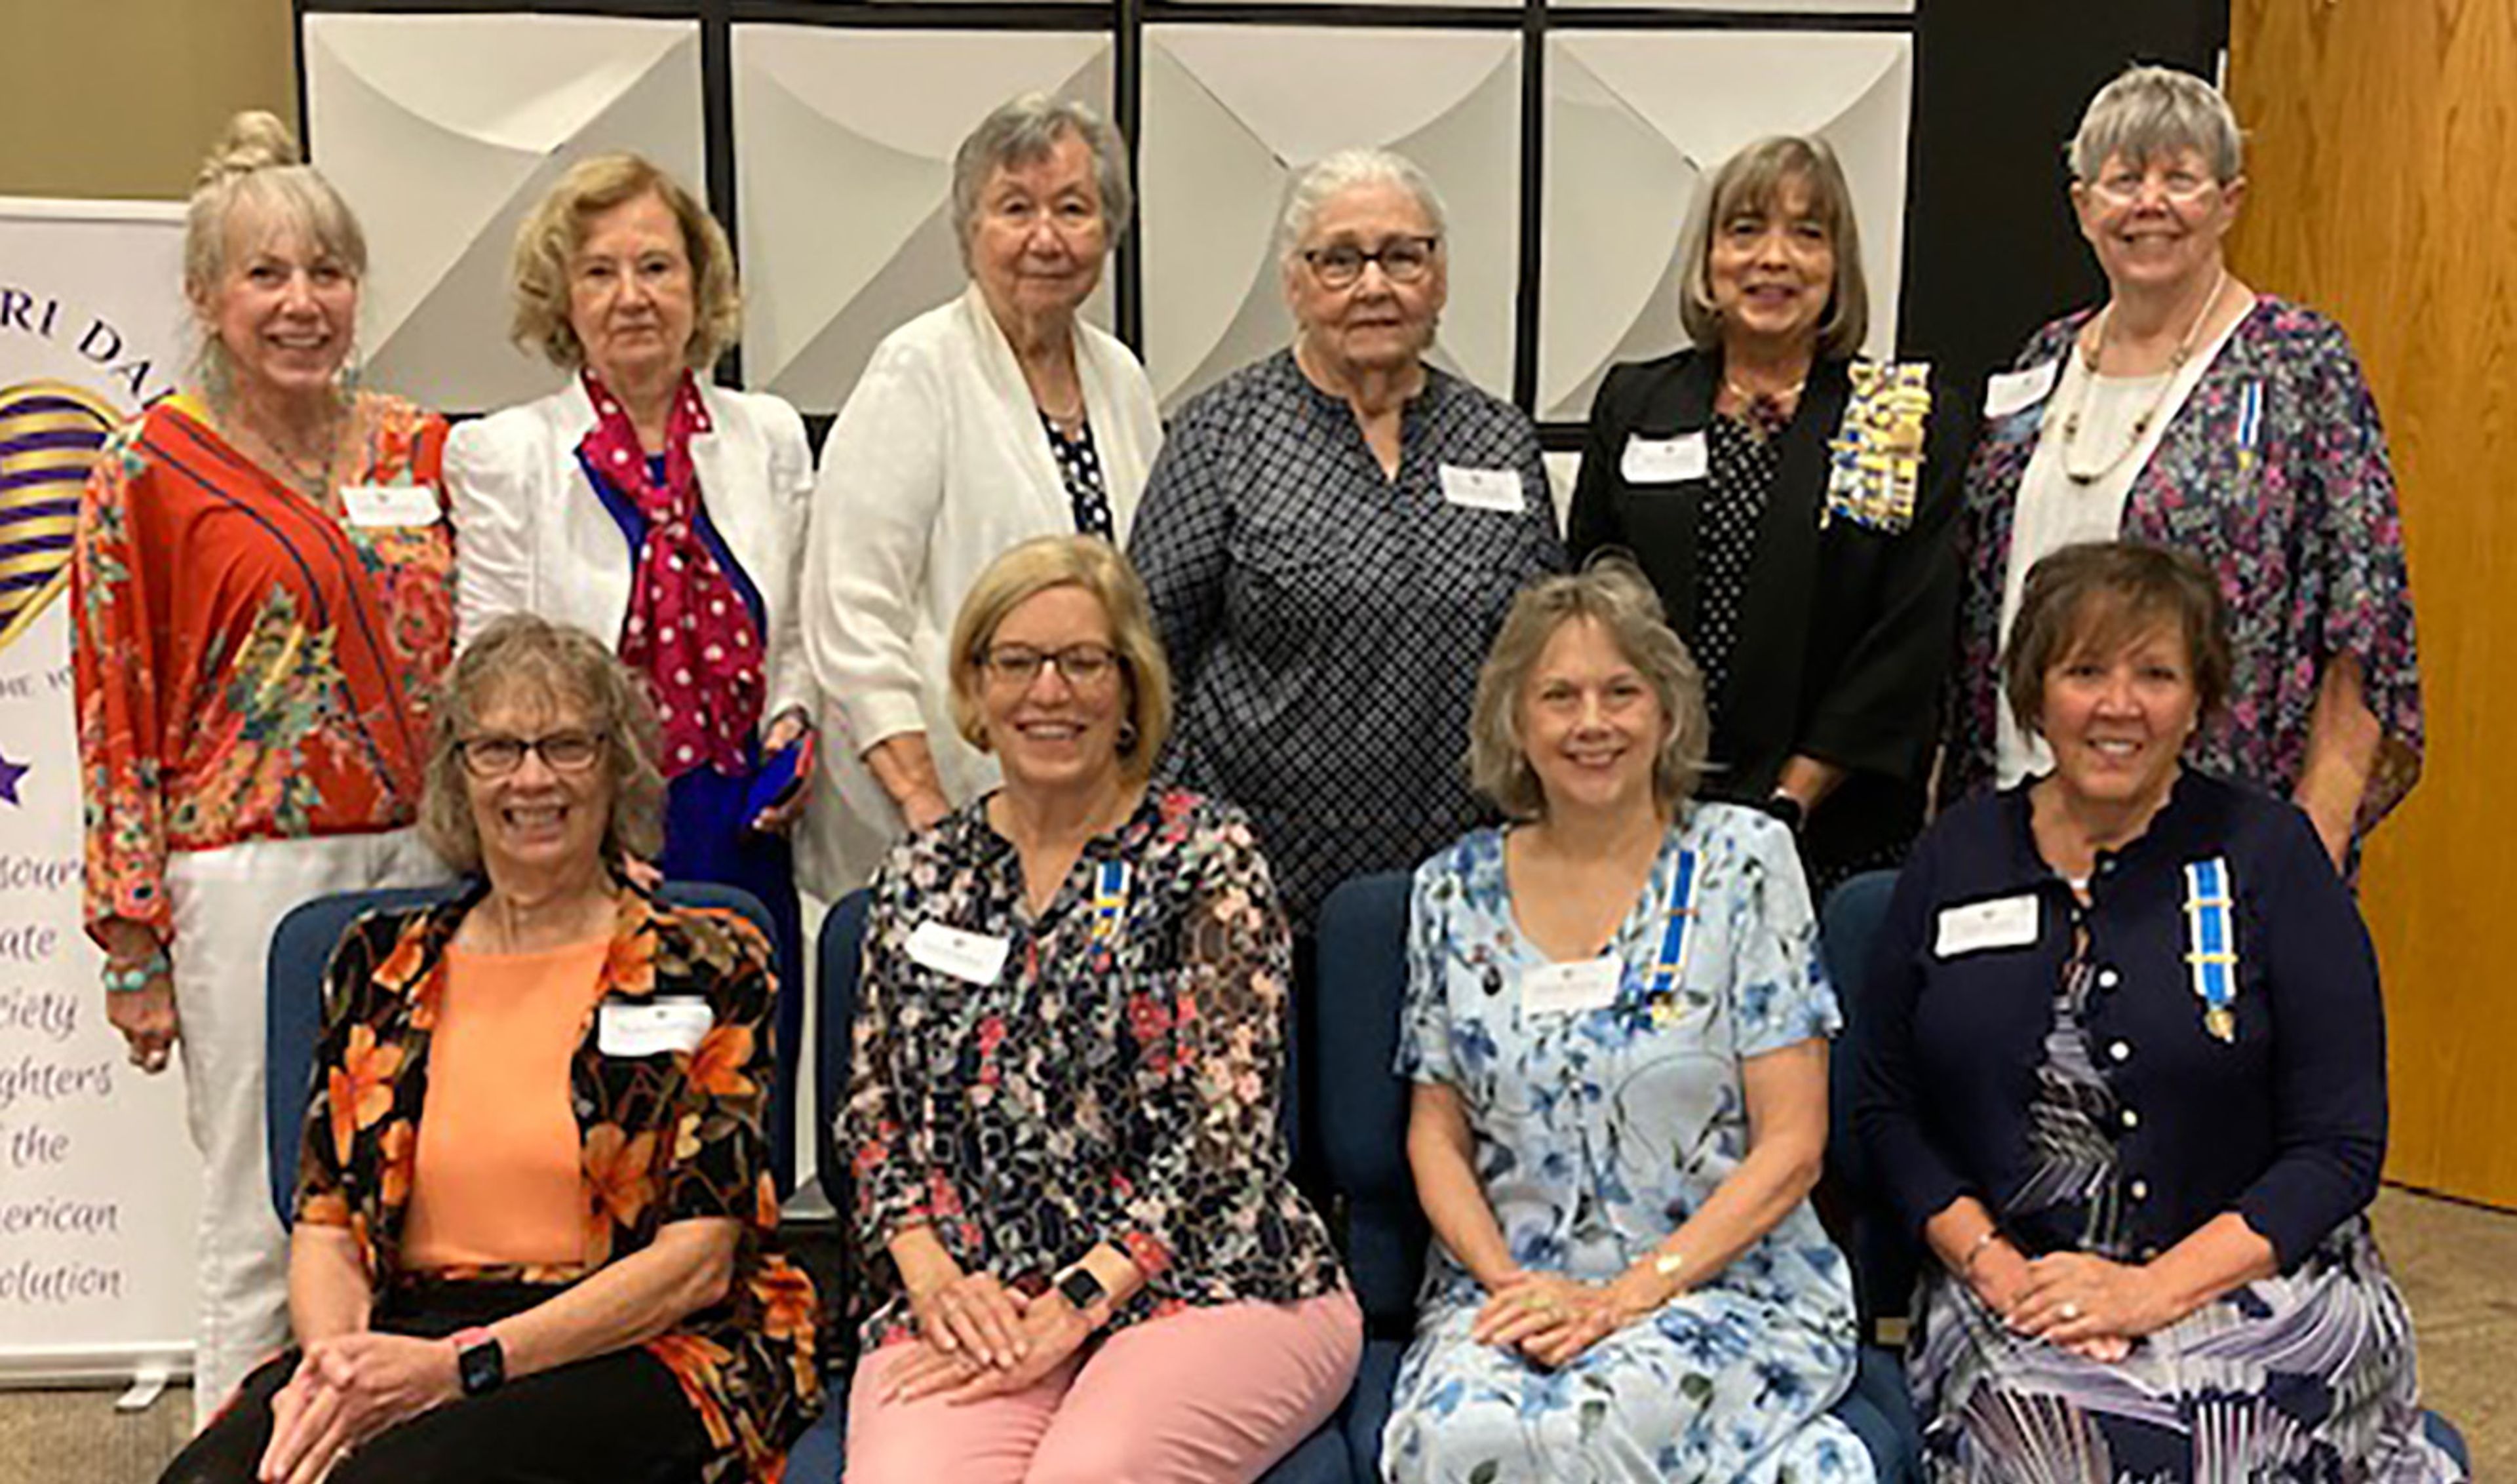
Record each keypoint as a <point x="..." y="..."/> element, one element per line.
<point x="2382" y="161"/>
<point x="123" y="98"/>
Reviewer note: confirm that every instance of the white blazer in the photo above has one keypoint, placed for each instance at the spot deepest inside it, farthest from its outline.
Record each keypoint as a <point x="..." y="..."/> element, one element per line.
<point x="937" y="464"/>
<point x="531" y="536"/>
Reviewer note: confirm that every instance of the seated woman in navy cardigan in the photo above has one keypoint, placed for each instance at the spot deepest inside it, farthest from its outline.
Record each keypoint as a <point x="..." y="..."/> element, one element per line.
<point x="2125" y="1073"/>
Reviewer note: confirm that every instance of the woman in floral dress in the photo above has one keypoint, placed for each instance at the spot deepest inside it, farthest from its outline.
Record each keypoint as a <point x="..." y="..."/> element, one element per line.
<point x="261" y="608"/>
<point x="1617" y="1024"/>
<point x="1085" y="1258"/>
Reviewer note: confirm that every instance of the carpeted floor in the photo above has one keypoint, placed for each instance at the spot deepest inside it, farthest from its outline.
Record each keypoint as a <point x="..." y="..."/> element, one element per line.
<point x="2458" y="1264"/>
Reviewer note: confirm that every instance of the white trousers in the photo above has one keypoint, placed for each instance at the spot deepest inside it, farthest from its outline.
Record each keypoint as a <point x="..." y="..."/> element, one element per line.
<point x="226" y="904"/>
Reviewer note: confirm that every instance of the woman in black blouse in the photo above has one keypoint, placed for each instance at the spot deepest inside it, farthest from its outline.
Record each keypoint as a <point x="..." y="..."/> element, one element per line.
<point x="1793" y="505"/>
<point x="2125" y="1070"/>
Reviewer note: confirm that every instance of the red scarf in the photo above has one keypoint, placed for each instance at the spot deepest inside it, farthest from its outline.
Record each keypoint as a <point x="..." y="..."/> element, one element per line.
<point x="689" y="631"/>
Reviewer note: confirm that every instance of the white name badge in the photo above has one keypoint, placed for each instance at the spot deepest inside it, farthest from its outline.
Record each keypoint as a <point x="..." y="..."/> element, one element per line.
<point x="2008" y="392"/>
<point x="1664" y="460"/>
<point x="370" y="506"/>
<point x="972" y="956"/>
<point x="1569" y="989"/>
<point x="2004" y="922"/>
<point x="1495" y="489"/>
<point x="632" y="1028"/>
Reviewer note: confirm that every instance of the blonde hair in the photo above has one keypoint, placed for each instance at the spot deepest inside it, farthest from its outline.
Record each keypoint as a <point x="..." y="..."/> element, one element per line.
<point x="1093" y="565"/>
<point x="521" y="653"/>
<point x="1752" y="180"/>
<point x="1614" y="594"/>
<point x="548" y="240"/>
<point x="255" y="168"/>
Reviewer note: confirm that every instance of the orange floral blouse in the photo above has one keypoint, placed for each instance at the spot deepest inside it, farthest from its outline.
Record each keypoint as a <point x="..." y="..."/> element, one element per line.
<point x="248" y="664"/>
<point x="674" y="1136"/>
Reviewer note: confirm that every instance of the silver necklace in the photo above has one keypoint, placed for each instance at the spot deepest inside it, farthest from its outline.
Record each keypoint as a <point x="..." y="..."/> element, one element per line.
<point x="2140" y="429"/>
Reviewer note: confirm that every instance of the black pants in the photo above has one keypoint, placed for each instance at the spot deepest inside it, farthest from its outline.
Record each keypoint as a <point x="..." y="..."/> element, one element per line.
<point x="615" y="1419"/>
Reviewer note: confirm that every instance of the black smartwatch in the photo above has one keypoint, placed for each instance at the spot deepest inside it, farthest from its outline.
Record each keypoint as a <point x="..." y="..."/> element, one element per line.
<point x="480" y="1361"/>
<point x="1078" y="1287"/>
<point x="1785" y="807"/>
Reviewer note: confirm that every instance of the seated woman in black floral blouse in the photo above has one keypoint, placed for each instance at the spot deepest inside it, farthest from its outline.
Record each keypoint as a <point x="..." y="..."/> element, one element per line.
<point x="536" y="1237"/>
<point x="1087" y="1259"/>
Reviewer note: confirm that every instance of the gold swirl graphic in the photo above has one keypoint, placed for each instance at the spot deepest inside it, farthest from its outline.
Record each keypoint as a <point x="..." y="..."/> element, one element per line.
<point x="50" y="432"/>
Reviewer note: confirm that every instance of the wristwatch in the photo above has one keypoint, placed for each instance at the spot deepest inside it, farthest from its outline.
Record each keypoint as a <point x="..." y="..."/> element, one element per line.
<point x="1785" y="807"/>
<point x="1078" y="1287"/>
<point x="480" y="1361"/>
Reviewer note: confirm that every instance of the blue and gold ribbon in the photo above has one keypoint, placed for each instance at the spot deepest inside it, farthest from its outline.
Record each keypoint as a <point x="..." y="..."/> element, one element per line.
<point x="1669" y="965"/>
<point x="1109" y="902"/>
<point x="1876" y="464"/>
<point x="2211" y="943"/>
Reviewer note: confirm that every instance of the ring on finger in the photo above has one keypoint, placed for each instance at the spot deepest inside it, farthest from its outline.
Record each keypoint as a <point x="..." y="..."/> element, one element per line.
<point x="2071" y="1310"/>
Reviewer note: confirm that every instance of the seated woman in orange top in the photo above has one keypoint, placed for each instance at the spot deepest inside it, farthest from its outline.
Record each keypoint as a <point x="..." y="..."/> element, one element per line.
<point x="536" y="1237"/>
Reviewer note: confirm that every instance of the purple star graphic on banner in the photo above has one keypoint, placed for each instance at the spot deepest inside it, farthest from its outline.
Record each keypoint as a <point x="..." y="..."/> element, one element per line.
<point x="10" y="773"/>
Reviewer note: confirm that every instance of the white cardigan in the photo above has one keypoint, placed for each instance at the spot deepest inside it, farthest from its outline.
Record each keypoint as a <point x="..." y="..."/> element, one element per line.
<point x="531" y="536"/>
<point x="937" y="464"/>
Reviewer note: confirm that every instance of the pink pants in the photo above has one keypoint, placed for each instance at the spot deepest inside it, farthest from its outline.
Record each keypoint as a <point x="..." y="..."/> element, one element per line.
<point x="1204" y="1396"/>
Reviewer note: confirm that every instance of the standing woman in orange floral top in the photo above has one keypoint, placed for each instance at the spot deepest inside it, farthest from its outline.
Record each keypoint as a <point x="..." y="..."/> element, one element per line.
<point x="537" y="1234"/>
<point x="261" y="608"/>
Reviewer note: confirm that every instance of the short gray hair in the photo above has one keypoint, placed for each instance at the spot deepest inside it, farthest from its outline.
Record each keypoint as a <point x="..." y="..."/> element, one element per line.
<point x="1324" y="180"/>
<point x="525" y="654"/>
<point x="1612" y="592"/>
<point x="1752" y="180"/>
<point x="1024" y="129"/>
<point x="255" y="167"/>
<point x="2150" y="113"/>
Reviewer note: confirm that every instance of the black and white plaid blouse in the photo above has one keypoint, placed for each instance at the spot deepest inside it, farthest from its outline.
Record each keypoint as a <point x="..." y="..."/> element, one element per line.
<point x="1325" y="621"/>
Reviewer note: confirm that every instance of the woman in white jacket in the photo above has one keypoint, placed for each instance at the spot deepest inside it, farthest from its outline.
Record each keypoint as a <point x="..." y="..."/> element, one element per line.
<point x="663" y="513"/>
<point x="989" y="421"/>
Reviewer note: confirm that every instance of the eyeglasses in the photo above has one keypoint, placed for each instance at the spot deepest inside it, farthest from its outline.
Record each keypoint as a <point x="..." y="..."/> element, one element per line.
<point x="1084" y="666"/>
<point x="1340" y="265"/>
<point x="495" y="757"/>
<point x="2123" y="187"/>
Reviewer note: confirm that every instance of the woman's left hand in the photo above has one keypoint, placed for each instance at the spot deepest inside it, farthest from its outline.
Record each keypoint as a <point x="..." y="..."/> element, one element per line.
<point x="1052" y="1329"/>
<point x="2073" y="1299"/>
<point x="356" y="1385"/>
<point x="790" y="726"/>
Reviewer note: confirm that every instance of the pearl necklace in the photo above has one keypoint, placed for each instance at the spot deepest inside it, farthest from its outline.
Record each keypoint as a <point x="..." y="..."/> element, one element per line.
<point x="2140" y="429"/>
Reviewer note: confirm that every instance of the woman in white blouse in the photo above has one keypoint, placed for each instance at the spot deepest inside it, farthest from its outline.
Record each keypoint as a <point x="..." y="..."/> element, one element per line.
<point x="665" y="514"/>
<point x="980" y="424"/>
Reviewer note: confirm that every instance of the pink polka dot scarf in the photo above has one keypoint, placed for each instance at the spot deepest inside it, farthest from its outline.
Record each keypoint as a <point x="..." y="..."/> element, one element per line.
<point x="688" y="631"/>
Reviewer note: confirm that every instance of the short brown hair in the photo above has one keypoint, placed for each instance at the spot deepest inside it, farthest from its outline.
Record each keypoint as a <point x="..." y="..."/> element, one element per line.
<point x="1611" y="593"/>
<point x="2099" y="597"/>
<point x="1752" y="180"/>
<point x="558" y="663"/>
<point x="550" y="237"/>
<point x="1095" y="566"/>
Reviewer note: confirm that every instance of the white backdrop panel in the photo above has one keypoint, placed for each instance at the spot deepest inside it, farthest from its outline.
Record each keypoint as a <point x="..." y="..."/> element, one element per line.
<point x="1774" y="7"/>
<point x="1230" y="112"/>
<point x="844" y="172"/>
<point x="443" y="131"/>
<point x="1637" y="120"/>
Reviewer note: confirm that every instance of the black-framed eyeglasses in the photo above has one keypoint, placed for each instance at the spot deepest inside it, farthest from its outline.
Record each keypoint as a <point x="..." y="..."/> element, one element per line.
<point x="493" y="755"/>
<point x="1402" y="260"/>
<point x="1082" y="665"/>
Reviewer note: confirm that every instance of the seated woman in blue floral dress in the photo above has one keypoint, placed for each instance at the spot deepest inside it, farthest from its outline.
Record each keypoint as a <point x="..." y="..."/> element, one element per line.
<point x="1617" y="1024"/>
<point x="2125" y="1070"/>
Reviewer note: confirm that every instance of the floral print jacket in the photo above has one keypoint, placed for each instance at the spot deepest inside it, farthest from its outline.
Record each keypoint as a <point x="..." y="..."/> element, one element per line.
<point x="2275" y="474"/>
<point x="673" y="1136"/>
<point x="1116" y="1079"/>
<point x="250" y="664"/>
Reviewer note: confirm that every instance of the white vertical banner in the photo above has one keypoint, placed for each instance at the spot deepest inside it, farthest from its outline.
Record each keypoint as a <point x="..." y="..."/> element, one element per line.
<point x="99" y="1184"/>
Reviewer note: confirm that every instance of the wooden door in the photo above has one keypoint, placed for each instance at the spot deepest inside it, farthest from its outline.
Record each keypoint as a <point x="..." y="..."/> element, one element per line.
<point x="2383" y="151"/>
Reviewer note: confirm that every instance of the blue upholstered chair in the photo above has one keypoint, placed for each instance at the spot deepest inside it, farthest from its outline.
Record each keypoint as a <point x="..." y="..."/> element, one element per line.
<point x="1363" y="1127"/>
<point x="301" y="949"/>
<point x="1319" y="1459"/>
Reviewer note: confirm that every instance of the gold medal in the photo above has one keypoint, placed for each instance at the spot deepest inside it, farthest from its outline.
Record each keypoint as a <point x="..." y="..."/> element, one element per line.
<point x="2221" y="1021"/>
